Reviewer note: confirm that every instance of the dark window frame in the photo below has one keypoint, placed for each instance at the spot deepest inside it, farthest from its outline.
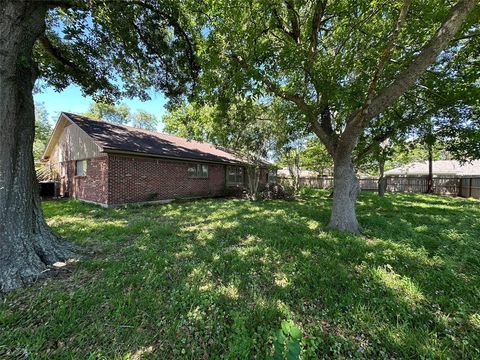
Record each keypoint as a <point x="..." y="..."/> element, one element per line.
<point x="239" y="175"/>
<point x="198" y="171"/>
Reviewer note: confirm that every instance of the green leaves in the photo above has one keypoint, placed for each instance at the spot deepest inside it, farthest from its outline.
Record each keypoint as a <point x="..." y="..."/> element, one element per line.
<point x="122" y="114"/>
<point x="43" y="129"/>
<point x="287" y="342"/>
<point x="114" y="49"/>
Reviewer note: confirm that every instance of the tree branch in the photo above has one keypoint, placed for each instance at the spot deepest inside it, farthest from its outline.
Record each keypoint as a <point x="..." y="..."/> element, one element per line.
<point x="293" y="17"/>
<point x="359" y="118"/>
<point x="194" y="67"/>
<point x="387" y="52"/>
<point x="361" y="115"/>
<point x="297" y="100"/>
<point x="275" y="88"/>
<point x="427" y="56"/>
<point x="318" y="12"/>
<point x="66" y="4"/>
<point x="281" y="26"/>
<point x="324" y="129"/>
<point x="56" y="53"/>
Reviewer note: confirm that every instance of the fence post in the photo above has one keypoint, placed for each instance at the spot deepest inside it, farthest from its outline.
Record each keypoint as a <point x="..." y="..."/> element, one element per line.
<point x="470" y="191"/>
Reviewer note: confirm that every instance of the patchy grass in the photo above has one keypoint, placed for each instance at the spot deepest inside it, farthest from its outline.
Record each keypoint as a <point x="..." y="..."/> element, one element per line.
<point x="224" y="278"/>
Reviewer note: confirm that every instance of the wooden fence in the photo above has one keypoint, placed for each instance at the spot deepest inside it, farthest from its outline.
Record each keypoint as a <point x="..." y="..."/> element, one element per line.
<point x="470" y="187"/>
<point x="453" y="186"/>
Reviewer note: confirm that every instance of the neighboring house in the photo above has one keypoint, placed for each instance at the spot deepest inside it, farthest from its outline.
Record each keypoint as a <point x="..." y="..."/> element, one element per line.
<point x="447" y="168"/>
<point x="112" y="164"/>
<point x="285" y="172"/>
<point x="303" y="173"/>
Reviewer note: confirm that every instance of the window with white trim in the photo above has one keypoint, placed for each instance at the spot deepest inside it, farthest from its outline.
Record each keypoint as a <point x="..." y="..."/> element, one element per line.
<point x="81" y="168"/>
<point x="235" y="175"/>
<point x="198" y="171"/>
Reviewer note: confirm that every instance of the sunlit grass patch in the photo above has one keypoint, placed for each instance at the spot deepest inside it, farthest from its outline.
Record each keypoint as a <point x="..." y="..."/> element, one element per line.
<point x="221" y="277"/>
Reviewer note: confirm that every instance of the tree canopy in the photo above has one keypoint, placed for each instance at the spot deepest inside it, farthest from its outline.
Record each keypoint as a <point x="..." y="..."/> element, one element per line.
<point x="122" y="114"/>
<point x="341" y="64"/>
<point x="115" y="48"/>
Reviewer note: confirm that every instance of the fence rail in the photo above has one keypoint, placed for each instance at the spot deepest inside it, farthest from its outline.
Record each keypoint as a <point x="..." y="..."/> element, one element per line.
<point x="453" y="186"/>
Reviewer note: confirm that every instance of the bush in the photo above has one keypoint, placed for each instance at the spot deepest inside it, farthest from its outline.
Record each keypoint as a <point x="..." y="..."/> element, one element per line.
<point x="236" y="192"/>
<point x="276" y="191"/>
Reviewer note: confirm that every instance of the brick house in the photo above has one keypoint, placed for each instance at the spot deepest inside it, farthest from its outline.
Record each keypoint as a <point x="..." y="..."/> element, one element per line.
<point x="112" y="164"/>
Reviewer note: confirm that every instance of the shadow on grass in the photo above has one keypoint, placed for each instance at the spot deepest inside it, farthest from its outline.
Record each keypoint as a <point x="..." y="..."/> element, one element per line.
<point x="215" y="278"/>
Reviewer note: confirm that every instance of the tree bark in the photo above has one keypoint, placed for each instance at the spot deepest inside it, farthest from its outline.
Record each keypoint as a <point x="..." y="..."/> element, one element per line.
<point x="430" y="170"/>
<point x="382" y="180"/>
<point x="253" y="177"/>
<point x="294" y="170"/>
<point x="27" y="245"/>
<point x="346" y="189"/>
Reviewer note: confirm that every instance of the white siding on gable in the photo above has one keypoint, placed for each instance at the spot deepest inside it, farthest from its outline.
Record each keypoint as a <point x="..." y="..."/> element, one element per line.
<point x="74" y="144"/>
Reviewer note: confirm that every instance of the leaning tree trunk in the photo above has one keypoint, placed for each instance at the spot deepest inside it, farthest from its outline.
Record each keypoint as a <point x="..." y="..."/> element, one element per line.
<point x="27" y="245"/>
<point x="345" y="193"/>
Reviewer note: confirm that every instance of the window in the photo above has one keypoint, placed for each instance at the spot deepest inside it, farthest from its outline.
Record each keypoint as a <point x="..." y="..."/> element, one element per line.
<point x="81" y="168"/>
<point x="198" y="171"/>
<point x="235" y="175"/>
<point x="272" y="177"/>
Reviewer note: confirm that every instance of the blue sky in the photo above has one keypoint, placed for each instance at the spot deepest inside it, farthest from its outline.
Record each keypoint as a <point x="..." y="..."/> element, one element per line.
<point x="72" y="100"/>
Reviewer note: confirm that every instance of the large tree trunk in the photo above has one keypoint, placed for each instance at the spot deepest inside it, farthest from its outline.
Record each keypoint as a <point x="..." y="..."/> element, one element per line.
<point x="27" y="245"/>
<point x="345" y="193"/>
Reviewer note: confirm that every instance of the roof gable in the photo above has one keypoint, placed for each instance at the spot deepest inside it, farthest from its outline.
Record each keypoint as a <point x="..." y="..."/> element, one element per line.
<point x="69" y="142"/>
<point x="121" y="138"/>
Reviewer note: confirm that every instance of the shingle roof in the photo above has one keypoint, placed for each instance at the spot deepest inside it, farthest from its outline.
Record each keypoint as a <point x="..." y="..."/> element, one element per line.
<point x="130" y="139"/>
<point x="440" y="167"/>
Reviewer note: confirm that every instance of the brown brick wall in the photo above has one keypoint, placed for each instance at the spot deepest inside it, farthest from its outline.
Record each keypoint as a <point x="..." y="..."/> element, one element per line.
<point x="137" y="179"/>
<point x="93" y="186"/>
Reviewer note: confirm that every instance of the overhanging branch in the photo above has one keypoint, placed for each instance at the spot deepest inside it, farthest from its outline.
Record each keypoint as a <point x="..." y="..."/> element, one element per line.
<point x="427" y="56"/>
<point x="359" y="119"/>
<point x="173" y="21"/>
<point x="275" y="88"/>
<point x="56" y="53"/>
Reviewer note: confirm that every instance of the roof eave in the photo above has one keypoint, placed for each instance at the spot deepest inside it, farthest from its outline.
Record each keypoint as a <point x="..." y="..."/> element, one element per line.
<point x="178" y="158"/>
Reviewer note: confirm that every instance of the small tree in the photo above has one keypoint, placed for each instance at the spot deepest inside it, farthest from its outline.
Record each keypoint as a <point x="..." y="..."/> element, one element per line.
<point x="43" y="130"/>
<point x="315" y="157"/>
<point x="290" y="157"/>
<point x="144" y="120"/>
<point x="117" y="114"/>
<point x="243" y="125"/>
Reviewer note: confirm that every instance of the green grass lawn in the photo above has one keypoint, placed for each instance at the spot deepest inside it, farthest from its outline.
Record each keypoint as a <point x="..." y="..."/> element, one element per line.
<point x="222" y="278"/>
